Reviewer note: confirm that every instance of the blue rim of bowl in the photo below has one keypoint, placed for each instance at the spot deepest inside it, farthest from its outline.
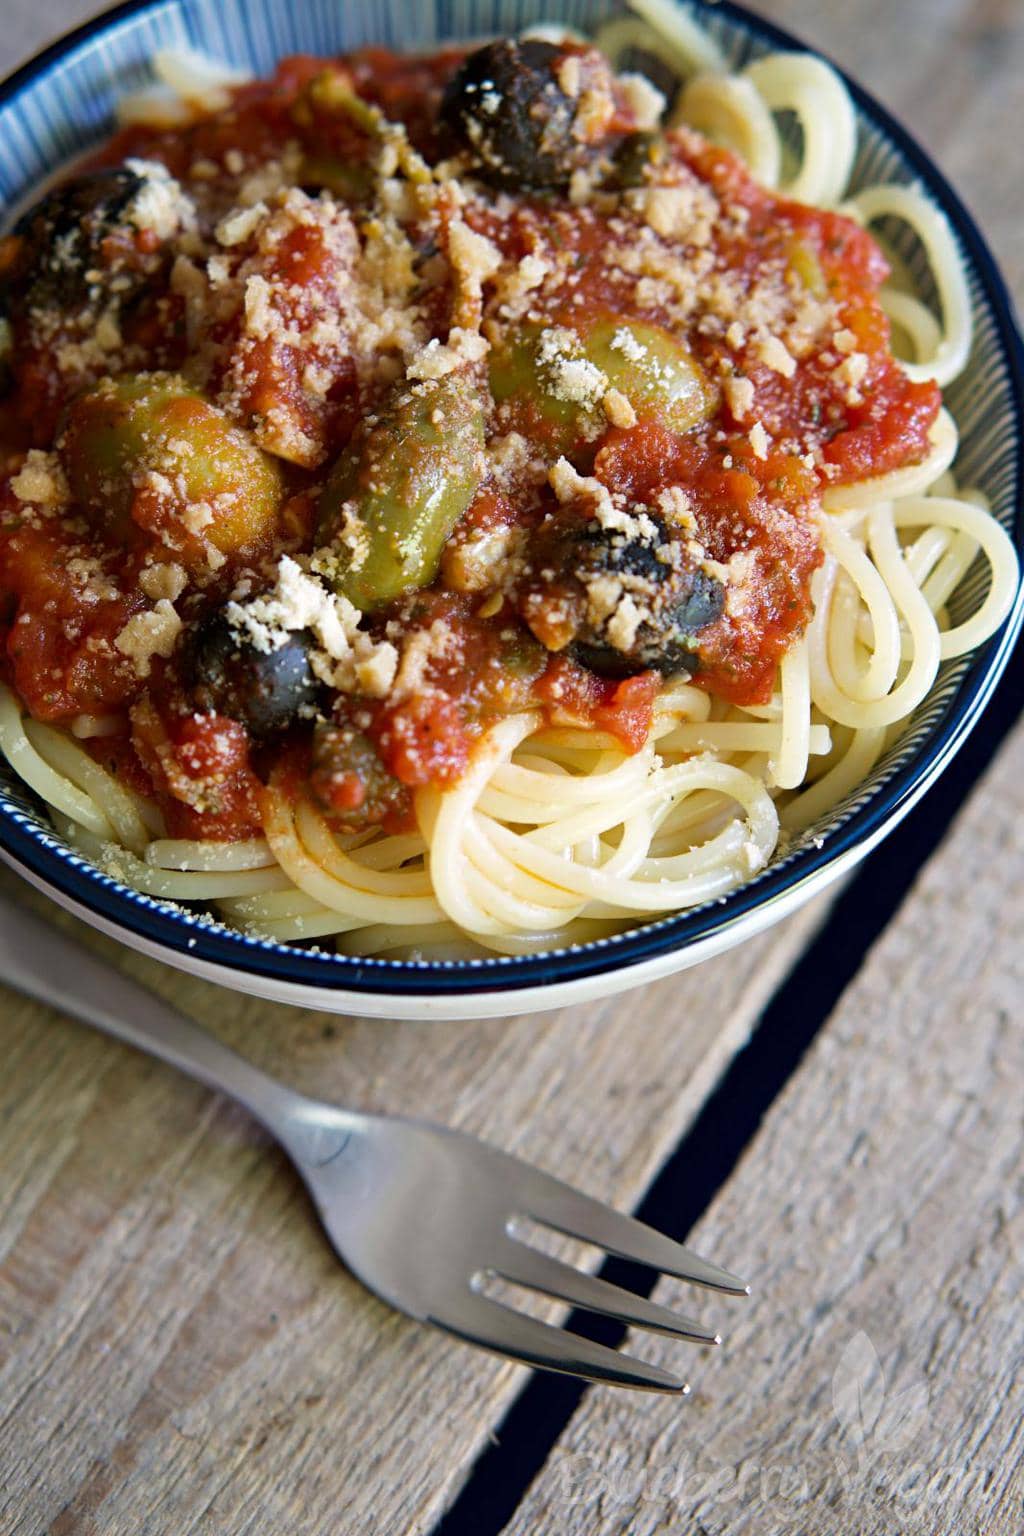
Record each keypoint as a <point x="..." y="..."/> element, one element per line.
<point x="34" y="848"/>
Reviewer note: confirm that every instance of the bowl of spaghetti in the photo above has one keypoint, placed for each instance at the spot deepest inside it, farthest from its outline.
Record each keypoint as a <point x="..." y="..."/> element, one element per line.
<point x="487" y="521"/>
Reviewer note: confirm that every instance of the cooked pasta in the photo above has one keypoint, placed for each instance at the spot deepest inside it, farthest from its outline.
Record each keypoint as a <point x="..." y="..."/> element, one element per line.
<point x="658" y="697"/>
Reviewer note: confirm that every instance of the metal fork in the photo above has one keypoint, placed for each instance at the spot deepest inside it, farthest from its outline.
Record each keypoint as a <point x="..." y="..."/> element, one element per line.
<point x="426" y="1217"/>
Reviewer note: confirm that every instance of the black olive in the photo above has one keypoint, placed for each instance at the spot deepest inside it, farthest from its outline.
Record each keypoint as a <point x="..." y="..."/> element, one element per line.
<point x="55" y="251"/>
<point x="506" y="107"/>
<point x="632" y="159"/>
<point x="667" y="646"/>
<point x="677" y="599"/>
<point x="6" y="355"/>
<point x="266" y="691"/>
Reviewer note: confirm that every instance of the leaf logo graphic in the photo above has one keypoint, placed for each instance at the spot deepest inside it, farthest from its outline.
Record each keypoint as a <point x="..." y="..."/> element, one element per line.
<point x="861" y="1406"/>
<point x="858" y="1388"/>
<point x="903" y="1418"/>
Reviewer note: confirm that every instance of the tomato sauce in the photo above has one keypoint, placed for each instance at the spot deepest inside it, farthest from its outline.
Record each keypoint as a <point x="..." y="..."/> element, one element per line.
<point x="753" y="487"/>
<point x="55" y="632"/>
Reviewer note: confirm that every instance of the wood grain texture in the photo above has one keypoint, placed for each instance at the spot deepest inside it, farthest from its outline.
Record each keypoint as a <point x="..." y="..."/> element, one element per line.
<point x="881" y="1207"/>
<point x="873" y="1383"/>
<point x="29" y="26"/>
<point x="175" y="1335"/>
<point x="180" y="1353"/>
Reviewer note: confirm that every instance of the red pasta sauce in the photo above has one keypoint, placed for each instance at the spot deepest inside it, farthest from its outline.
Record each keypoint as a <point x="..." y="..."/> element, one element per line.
<point x="779" y="428"/>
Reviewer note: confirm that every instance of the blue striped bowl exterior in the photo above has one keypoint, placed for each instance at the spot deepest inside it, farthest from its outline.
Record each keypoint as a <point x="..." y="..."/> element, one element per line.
<point x="64" y="101"/>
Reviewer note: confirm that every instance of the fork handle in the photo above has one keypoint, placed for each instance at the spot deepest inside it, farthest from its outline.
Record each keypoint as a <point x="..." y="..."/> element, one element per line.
<point x="43" y="963"/>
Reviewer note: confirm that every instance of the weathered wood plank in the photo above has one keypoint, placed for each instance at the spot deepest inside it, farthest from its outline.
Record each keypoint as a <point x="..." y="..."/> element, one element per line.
<point x="29" y="26"/>
<point x="873" y="1383"/>
<point x="175" y="1336"/>
<point x="179" y="1351"/>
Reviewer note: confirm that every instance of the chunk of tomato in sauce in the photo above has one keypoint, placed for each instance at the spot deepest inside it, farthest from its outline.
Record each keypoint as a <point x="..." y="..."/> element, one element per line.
<point x="58" y="634"/>
<point x="422" y="740"/>
<point x="302" y="275"/>
<point x="575" y="696"/>
<point x="118" y="756"/>
<point x="888" y="430"/>
<point x="201" y="773"/>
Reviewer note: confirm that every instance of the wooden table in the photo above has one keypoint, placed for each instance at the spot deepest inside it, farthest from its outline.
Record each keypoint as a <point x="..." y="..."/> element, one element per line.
<point x="180" y="1353"/>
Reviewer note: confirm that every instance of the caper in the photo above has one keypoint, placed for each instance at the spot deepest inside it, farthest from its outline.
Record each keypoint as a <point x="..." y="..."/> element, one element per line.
<point x="149" y="450"/>
<point x="344" y="179"/>
<point x="6" y="355"/>
<point x="632" y="158"/>
<point x="399" y="489"/>
<point x="349" y="779"/>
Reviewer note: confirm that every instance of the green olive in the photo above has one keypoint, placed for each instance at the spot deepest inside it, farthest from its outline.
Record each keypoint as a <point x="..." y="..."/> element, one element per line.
<point x="344" y="179"/>
<point x="149" y="450"/>
<point x="399" y="489"/>
<point x="517" y="379"/>
<point x="533" y="370"/>
<point x="656" y="373"/>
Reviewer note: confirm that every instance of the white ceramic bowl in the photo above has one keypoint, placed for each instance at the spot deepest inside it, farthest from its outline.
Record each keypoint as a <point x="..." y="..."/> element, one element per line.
<point x="64" y="100"/>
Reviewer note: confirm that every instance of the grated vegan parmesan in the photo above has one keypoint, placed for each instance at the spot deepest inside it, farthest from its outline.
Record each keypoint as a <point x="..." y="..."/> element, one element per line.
<point x="149" y="634"/>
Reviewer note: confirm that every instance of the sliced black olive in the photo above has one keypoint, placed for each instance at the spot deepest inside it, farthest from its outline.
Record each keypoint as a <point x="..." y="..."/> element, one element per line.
<point x="667" y="647"/>
<point x="266" y="691"/>
<point x="54" y="255"/>
<point x="674" y="597"/>
<point x="506" y="107"/>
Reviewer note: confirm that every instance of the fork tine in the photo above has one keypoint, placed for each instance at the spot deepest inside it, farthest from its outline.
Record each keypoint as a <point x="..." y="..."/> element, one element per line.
<point x="575" y="1214"/>
<point x="492" y="1325"/>
<point x="541" y="1272"/>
